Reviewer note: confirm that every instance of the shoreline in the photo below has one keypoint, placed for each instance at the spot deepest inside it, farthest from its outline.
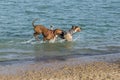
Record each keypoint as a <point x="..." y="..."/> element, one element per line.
<point x="98" y="67"/>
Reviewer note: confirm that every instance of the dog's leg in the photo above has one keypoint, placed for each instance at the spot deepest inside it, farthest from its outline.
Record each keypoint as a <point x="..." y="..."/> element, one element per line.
<point x="54" y="39"/>
<point x="36" y="36"/>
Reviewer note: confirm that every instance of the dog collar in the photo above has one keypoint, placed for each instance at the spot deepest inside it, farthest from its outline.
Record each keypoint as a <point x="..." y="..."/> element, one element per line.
<point x="71" y="32"/>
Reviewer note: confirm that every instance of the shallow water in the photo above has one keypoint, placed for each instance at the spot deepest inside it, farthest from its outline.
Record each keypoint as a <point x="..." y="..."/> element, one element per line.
<point x="99" y="19"/>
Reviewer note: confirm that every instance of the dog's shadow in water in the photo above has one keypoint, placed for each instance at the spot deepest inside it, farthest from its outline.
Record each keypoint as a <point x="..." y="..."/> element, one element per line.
<point x="48" y="52"/>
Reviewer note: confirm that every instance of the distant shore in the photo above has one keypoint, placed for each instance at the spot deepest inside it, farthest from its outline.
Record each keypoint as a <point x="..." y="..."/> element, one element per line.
<point x="101" y="67"/>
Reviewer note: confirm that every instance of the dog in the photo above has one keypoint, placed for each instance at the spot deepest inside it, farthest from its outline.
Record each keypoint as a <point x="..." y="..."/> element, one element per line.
<point x="48" y="34"/>
<point x="68" y="35"/>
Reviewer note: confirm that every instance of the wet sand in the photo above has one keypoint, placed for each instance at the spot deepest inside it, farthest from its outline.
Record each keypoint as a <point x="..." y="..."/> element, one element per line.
<point x="102" y="67"/>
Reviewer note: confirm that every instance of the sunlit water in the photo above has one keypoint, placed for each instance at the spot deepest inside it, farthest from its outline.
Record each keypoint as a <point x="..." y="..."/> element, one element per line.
<point x="99" y="20"/>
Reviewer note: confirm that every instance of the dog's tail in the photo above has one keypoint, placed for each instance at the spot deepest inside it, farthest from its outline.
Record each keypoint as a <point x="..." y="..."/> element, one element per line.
<point x="34" y="22"/>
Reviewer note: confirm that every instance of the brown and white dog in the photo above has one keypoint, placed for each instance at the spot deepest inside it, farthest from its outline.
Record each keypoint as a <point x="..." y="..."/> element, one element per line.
<point x="47" y="33"/>
<point x="68" y="36"/>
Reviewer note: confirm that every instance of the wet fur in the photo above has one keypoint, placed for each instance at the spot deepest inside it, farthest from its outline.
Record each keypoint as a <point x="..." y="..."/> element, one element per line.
<point x="68" y="36"/>
<point x="47" y="33"/>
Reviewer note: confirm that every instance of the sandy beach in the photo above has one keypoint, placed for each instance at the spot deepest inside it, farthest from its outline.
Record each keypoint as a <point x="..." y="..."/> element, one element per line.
<point x="102" y="67"/>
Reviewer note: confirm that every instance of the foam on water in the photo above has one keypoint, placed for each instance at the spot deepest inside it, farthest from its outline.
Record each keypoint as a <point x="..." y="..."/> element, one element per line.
<point x="28" y="41"/>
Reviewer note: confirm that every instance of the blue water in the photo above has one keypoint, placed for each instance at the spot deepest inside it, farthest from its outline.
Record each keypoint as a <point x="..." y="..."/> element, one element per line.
<point x="99" y="20"/>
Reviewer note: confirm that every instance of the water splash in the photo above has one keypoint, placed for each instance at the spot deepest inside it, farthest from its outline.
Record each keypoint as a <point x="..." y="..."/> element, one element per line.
<point x="78" y="37"/>
<point x="28" y="41"/>
<point x="33" y="41"/>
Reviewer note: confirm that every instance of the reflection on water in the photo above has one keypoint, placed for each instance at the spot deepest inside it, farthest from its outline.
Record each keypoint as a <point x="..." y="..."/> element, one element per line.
<point x="53" y="49"/>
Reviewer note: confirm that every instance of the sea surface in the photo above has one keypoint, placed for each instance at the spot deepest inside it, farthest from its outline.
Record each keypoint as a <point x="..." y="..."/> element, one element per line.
<point x="99" y="20"/>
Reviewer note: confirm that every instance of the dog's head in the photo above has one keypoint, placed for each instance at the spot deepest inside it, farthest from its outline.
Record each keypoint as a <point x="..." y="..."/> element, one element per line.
<point x="58" y="31"/>
<point x="76" y="28"/>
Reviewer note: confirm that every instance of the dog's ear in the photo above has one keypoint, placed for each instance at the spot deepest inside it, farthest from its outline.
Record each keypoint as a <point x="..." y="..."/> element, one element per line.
<point x="51" y="27"/>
